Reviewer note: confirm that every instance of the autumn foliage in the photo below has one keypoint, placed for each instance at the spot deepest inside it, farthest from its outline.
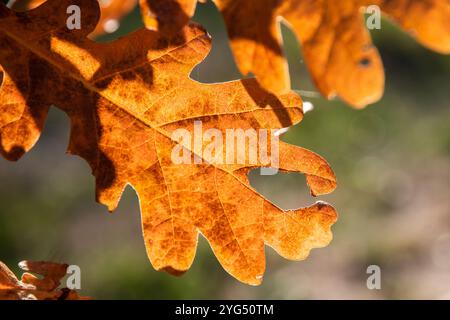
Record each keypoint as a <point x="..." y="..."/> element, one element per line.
<point x="127" y="97"/>
<point x="41" y="281"/>
<point x="124" y="99"/>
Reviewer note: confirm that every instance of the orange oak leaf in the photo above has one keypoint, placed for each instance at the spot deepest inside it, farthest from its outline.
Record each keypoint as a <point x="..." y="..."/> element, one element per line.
<point x="336" y="44"/>
<point x="126" y="99"/>
<point x="111" y="12"/>
<point x="45" y="286"/>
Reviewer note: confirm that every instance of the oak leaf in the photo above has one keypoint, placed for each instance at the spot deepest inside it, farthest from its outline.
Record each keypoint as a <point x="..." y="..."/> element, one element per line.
<point x="111" y="12"/>
<point x="167" y="16"/>
<point x="125" y="99"/>
<point x="336" y="44"/>
<point x="44" y="286"/>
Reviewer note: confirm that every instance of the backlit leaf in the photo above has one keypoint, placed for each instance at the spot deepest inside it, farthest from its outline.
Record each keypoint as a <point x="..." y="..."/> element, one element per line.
<point x="125" y="99"/>
<point x="336" y="44"/>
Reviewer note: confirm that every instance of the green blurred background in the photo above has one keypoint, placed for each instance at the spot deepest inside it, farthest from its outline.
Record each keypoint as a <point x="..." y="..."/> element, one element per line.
<point x="393" y="169"/>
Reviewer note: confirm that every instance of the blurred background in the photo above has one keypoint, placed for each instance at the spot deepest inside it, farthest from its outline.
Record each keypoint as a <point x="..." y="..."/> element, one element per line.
<point x="392" y="161"/>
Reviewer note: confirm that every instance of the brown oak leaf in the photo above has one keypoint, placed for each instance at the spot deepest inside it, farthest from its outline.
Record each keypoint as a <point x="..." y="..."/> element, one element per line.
<point x="44" y="286"/>
<point x="125" y="99"/>
<point x="336" y="44"/>
<point x="111" y="12"/>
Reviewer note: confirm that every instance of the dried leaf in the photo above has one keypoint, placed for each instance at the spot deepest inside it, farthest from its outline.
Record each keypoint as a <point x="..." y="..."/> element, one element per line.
<point x="111" y="12"/>
<point x="31" y="287"/>
<point x="125" y="99"/>
<point x="337" y="47"/>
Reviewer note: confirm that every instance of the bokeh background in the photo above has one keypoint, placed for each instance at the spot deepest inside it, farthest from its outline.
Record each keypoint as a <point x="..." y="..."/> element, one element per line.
<point x="393" y="169"/>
